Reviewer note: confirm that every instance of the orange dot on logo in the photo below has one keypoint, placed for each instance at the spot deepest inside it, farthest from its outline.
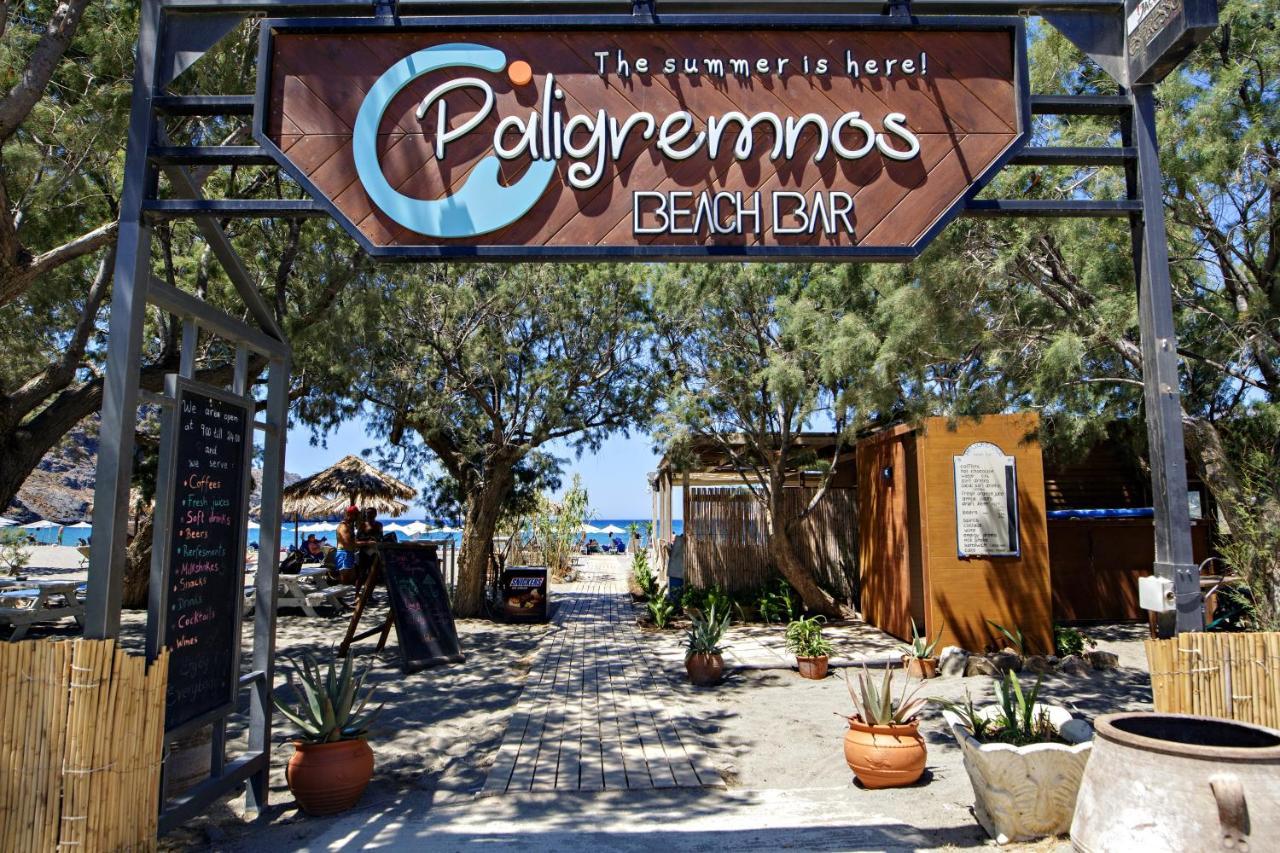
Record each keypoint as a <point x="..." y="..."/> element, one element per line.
<point x="520" y="73"/>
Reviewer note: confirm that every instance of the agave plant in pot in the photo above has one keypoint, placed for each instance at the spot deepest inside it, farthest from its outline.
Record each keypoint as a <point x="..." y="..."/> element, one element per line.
<point x="920" y="659"/>
<point x="331" y="764"/>
<point x="805" y="641"/>
<point x="1025" y="763"/>
<point x="883" y="746"/>
<point x="703" y="660"/>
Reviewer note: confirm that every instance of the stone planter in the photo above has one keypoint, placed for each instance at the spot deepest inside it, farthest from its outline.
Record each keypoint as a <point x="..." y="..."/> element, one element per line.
<point x="1022" y="793"/>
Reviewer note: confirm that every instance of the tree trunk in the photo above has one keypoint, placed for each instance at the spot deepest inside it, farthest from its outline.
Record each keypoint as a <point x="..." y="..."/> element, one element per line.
<point x="137" y="571"/>
<point x="484" y="505"/>
<point x="782" y="551"/>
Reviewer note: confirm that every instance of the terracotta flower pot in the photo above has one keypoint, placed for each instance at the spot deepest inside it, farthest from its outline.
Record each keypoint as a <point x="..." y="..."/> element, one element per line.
<point x="327" y="778"/>
<point x="920" y="667"/>
<point x="704" y="670"/>
<point x="884" y="756"/>
<point x="814" y="667"/>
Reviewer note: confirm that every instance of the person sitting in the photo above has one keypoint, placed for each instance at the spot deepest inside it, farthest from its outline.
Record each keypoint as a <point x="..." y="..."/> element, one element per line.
<point x="618" y="546"/>
<point x="313" y="549"/>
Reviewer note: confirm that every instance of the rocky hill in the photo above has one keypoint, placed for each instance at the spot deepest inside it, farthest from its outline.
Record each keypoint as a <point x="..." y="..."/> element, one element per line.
<point x="61" y="488"/>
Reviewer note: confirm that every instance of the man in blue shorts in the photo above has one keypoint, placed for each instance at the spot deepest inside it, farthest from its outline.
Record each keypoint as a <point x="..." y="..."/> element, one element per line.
<point x="345" y="557"/>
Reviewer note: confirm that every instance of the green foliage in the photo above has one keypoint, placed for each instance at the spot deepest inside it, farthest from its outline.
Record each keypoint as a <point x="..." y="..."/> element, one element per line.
<point x="1252" y="545"/>
<point x="327" y="706"/>
<point x="1013" y="637"/>
<point x="643" y="574"/>
<point x="875" y="706"/>
<point x="778" y="603"/>
<point x="660" y="608"/>
<point x="15" y="553"/>
<point x="701" y="599"/>
<point x="1015" y="720"/>
<point x="556" y="527"/>
<point x="1070" y="641"/>
<point x="804" y="638"/>
<point x="921" y="646"/>
<point x="706" y="633"/>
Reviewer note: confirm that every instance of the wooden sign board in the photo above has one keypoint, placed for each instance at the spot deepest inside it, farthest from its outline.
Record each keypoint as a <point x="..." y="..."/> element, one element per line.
<point x="986" y="488"/>
<point x="1160" y="33"/>
<point x="693" y="140"/>
<point x="205" y="461"/>
<point x="420" y="606"/>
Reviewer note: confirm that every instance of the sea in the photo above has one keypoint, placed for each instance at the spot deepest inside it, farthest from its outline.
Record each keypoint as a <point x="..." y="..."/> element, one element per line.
<point x="289" y="534"/>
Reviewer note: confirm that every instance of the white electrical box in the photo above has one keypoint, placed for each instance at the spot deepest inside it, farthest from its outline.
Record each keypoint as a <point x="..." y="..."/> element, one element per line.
<point x="1156" y="593"/>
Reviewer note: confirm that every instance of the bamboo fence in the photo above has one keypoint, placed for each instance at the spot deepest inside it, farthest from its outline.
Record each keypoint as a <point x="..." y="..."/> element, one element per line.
<point x="81" y="734"/>
<point x="1233" y="676"/>
<point x="726" y="539"/>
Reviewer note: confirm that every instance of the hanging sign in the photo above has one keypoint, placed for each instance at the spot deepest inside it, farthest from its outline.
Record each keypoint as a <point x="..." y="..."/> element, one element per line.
<point x="671" y="142"/>
<point x="986" y="486"/>
<point x="197" y="576"/>
<point x="1160" y="33"/>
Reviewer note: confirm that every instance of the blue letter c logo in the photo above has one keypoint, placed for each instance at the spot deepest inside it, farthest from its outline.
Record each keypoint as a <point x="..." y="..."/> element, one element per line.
<point x="481" y="204"/>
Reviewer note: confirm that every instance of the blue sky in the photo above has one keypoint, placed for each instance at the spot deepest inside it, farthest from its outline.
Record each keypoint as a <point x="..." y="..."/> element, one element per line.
<point x="614" y="477"/>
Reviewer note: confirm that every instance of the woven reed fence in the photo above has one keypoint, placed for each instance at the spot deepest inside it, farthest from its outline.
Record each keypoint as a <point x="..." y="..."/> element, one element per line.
<point x="81" y="733"/>
<point x="1233" y="676"/>
<point x="726" y="539"/>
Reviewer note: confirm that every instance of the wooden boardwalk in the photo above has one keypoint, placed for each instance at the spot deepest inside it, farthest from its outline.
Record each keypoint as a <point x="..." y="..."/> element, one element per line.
<point x="594" y="715"/>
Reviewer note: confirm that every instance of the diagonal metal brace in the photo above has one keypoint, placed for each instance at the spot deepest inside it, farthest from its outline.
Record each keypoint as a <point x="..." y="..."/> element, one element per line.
<point x="184" y="186"/>
<point x="1099" y="35"/>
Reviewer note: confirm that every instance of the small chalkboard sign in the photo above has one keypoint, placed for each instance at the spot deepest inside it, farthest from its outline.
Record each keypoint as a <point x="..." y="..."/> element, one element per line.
<point x="206" y="464"/>
<point x="420" y="606"/>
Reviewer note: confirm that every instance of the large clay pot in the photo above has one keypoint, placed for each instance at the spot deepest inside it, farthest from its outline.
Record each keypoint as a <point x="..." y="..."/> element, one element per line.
<point x="814" y="667"/>
<point x="704" y="670"/>
<point x="920" y="667"/>
<point x="1176" y="782"/>
<point x="1021" y="793"/>
<point x="327" y="778"/>
<point x="884" y="756"/>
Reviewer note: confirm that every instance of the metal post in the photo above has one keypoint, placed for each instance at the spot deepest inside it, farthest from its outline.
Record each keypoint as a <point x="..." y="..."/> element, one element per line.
<point x="124" y="348"/>
<point x="1174" y="558"/>
<point x="264" y="614"/>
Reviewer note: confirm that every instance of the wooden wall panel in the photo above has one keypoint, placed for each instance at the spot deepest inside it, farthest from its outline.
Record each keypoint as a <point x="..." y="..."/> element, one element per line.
<point x="884" y="537"/>
<point x="1096" y="564"/>
<point x="963" y="593"/>
<point x="964" y="110"/>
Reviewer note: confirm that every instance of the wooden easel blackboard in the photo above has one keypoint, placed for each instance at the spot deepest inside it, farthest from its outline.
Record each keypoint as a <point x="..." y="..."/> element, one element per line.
<point x="419" y="607"/>
<point x="197" y="573"/>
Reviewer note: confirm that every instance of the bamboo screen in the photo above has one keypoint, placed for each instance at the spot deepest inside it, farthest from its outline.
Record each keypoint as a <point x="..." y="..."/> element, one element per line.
<point x="726" y="539"/>
<point x="81" y="733"/>
<point x="1232" y="676"/>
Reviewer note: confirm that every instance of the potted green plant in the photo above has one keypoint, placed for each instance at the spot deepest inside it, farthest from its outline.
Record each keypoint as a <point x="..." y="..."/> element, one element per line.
<point x="643" y="584"/>
<point x="920" y="659"/>
<point x="702" y="660"/>
<point x="660" y="608"/>
<point x="812" y="651"/>
<point x="331" y="764"/>
<point x="883" y="746"/>
<point x="1025" y="773"/>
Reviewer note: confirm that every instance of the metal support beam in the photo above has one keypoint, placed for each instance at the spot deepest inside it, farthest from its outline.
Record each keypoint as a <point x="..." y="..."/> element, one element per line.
<point x="264" y="630"/>
<point x="1069" y="156"/>
<point x="1161" y="386"/>
<point x="1050" y="207"/>
<point x="181" y="208"/>
<point x="1080" y="105"/>
<point x="124" y="348"/>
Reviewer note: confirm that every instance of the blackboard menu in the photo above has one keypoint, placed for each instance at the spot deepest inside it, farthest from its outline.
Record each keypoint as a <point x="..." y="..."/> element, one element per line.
<point x="206" y="554"/>
<point x="420" y="606"/>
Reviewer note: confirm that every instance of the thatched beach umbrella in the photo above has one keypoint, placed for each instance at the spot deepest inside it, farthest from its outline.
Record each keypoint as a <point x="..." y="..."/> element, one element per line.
<point x="348" y="482"/>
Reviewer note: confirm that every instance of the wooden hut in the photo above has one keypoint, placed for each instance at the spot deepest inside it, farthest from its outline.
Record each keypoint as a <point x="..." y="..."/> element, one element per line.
<point x="725" y="529"/>
<point x="952" y="532"/>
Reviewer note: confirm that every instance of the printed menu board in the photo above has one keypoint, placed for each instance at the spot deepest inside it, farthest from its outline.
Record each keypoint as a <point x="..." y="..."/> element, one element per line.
<point x="986" y="502"/>
<point x="420" y="606"/>
<point x="206" y="553"/>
